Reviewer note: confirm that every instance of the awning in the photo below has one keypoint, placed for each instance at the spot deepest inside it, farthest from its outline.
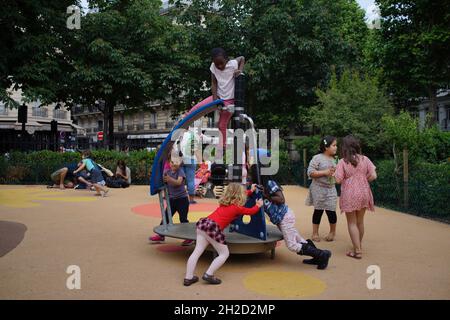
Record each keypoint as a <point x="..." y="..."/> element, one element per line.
<point x="80" y="130"/>
<point x="31" y="126"/>
<point x="148" y="136"/>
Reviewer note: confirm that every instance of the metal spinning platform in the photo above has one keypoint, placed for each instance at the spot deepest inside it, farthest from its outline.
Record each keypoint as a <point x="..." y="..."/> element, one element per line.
<point x="237" y="243"/>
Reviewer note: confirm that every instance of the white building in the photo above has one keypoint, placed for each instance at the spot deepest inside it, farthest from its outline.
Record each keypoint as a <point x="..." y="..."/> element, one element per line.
<point x="38" y="126"/>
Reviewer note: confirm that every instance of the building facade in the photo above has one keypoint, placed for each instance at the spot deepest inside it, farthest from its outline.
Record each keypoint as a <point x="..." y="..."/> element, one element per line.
<point x="132" y="129"/>
<point x="37" y="134"/>
<point x="442" y="112"/>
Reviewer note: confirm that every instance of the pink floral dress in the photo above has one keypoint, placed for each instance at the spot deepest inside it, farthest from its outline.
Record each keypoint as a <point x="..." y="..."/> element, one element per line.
<point x="355" y="188"/>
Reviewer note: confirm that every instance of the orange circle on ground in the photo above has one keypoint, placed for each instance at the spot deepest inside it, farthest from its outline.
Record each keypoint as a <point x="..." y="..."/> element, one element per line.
<point x="154" y="210"/>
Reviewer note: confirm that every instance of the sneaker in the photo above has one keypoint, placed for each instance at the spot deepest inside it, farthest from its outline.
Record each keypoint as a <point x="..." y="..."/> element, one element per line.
<point x="187" y="242"/>
<point x="76" y="187"/>
<point x="156" y="238"/>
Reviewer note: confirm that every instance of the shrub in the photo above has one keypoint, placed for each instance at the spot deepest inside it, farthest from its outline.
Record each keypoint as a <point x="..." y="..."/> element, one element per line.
<point x="36" y="167"/>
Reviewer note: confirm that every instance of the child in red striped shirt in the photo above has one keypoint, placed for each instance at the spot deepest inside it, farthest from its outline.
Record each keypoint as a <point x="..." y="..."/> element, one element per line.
<point x="210" y="231"/>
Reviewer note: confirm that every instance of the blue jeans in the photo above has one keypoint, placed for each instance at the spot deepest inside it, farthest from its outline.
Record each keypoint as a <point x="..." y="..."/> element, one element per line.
<point x="189" y="170"/>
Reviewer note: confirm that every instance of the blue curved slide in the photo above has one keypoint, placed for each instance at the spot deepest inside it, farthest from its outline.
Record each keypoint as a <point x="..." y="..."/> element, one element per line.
<point x="156" y="178"/>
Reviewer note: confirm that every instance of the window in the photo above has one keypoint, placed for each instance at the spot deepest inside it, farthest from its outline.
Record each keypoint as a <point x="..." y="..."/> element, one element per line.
<point x="122" y="120"/>
<point x="100" y="125"/>
<point x="153" y="121"/>
<point x="140" y="121"/>
<point x="3" y="109"/>
<point x="121" y="125"/>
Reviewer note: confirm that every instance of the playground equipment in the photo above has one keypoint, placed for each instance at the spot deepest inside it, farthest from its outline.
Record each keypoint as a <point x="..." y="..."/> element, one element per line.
<point x="242" y="237"/>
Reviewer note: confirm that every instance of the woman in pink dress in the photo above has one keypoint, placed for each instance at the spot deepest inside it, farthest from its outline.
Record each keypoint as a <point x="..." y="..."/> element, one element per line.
<point x="354" y="172"/>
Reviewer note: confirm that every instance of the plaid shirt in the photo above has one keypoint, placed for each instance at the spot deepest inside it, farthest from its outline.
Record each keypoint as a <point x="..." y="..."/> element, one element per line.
<point x="275" y="212"/>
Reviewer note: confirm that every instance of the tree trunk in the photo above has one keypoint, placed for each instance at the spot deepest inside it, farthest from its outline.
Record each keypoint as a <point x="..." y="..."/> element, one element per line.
<point x="433" y="105"/>
<point x="111" y="126"/>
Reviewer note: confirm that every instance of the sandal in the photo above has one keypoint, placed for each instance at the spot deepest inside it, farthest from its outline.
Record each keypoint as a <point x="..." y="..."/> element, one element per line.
<point x="315" y="238"/>
<point x="188" y="282"/>
<point x="354" y="255"/>
<point x="330" y="237"/>
<point x="211" y="279"/>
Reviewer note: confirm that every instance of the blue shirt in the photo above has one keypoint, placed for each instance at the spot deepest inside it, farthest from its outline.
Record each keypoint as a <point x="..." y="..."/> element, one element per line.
<point x="71" y="167"/>
<point x="89" y="164"/>
<point x="276" y="212"/>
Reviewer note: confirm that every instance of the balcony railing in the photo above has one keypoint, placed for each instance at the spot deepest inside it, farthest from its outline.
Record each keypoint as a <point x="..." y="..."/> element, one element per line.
<point x="59" y="114"/>
<point x="130" y="127"/>
<point x="169" y="124"/>
<point x="153" y="126"/>
<point x="140" y="127"/>
<point x="39" y="112"/>
<point x="120" y="128"/>
<point x="77" y="110"/>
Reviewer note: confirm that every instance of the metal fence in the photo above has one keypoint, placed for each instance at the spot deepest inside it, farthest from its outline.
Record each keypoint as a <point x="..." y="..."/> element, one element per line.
<point x="427" y="198"/>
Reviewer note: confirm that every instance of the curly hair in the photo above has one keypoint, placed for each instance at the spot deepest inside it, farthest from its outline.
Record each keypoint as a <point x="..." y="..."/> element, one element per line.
<point x="234" y="194"/>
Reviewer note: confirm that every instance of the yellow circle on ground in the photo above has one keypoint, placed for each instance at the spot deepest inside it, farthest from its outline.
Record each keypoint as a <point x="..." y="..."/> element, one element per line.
<point x="284" y="284"/>
<point x="26" y="197"/>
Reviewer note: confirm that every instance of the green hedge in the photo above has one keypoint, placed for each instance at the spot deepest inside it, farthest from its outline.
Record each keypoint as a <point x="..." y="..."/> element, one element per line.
<point x="36" y="167"/>
<point x="428" y="188"/>
<point x="429" y="183"/>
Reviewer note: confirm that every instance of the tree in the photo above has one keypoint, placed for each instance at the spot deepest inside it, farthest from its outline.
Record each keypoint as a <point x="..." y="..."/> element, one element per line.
<point x="34" y="35"/>
<point x="126" y="54"/>
<point x="415" y="45"/>
<point x="352" y="105"/>
<point x="290" y="47"/>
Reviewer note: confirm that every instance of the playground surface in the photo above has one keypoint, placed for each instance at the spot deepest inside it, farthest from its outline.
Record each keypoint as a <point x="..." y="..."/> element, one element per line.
<point x="43" y="232"/>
